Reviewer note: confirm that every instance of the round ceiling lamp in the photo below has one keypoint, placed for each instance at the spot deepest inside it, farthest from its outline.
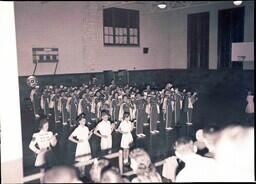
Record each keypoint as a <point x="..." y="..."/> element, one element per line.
<point x="162" y="5"/>
<point x="237" y="3"/>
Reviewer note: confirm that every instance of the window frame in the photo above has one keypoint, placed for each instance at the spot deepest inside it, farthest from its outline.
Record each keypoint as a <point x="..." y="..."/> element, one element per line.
<point x="113" y="11"/>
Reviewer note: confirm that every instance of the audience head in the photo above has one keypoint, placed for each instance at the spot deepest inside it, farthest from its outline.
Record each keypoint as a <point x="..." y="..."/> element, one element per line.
<point x="97" y="168"/>
<point x="111" y="175"/>
<point x="140" y="160"/>
<point x="210" y="135"/>
<point x="61" y="174"/>
<point x="235" y="153"/>
<point x="183" y="147"/>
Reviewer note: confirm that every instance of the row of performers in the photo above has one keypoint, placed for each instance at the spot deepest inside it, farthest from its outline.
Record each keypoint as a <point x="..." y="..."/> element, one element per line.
<point x="67" y="105"/>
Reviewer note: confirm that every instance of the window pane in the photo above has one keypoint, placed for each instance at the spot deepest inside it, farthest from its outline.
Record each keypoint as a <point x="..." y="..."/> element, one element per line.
<point x="107" y="17"/>
<point x="125" y="31"/>
<point x="131" y="31"/>
<point x="125" y="40"/>
<point x="135" y="32"/>
<point x="117" y="39"/>
<point x="106" y="39"/>
<point x="135" y="40"/>
<point x="111" y="40"/>
<point x="134" y="19"/>
<point x="116" y="31"/>
<point x="110" y="30"/>
<point x="120" y="17"/>
<point x="105" y="30"/>
<point x="121" y="40"/>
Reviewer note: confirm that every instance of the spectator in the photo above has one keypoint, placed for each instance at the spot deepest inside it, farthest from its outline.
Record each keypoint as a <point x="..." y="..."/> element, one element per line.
<point x="205" y="140"/>
<point x="141" y="164"/>
<point x="97" y="168"/>
<point x="61" y="174"/>
<point x="197" y="168"/>
<point x="111" y="175"/>
<point x="235" y="154"/>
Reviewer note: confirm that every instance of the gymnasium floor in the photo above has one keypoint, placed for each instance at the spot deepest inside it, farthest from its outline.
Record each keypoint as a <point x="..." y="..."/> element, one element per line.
<point x="218" y="109"/>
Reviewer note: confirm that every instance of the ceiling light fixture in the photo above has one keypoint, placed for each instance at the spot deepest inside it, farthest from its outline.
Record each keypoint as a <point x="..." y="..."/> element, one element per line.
<point x="237" y="3"/>
<point x="162" y="5"/>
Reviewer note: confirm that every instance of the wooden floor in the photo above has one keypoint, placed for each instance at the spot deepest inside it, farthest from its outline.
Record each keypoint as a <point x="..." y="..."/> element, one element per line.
<point x="209" y="109"/>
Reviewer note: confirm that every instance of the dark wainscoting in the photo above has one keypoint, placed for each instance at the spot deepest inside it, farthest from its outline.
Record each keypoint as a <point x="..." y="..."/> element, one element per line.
<point x="233" y="82"/>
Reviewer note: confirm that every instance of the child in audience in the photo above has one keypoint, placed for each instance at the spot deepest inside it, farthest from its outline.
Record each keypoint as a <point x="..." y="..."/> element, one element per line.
<point x="81" y="136"/>
<point x="126" y="127"/>
<point x="61" y="174"/>
<point x="141" y="164"/>
<point x="111" y="175"/>
<point x="104" y="130"/>
<point x="96" y="170"/>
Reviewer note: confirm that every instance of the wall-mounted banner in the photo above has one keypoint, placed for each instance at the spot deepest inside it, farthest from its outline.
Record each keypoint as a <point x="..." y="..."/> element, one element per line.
<point x="45" y="55"/>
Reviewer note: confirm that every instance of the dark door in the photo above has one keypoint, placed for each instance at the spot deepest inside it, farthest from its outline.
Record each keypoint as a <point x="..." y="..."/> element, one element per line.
<point x="230" y="29"/>
<point x="198" y="40"/>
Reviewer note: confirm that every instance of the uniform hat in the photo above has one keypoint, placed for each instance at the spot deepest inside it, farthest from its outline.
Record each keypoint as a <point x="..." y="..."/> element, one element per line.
<point x="189" y="93"/>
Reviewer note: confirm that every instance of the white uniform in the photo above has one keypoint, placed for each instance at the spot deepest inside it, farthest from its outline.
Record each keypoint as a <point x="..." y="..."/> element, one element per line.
<point x="250" y="104"/>
<point x="127" y="138"/>
<point x="105" y="129"/>
<point x="44" y="140"/>
<point x="83" y="149"/>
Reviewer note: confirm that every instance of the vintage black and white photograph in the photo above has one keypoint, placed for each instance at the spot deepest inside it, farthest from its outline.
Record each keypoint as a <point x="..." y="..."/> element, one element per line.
<point x="127" y="91"/>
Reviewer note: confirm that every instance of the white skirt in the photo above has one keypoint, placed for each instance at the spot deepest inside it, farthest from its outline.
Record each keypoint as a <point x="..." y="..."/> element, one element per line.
<point x="106" y="143"/>
<point x="40" y="158"/>
<point x="126" y="140"/>
<point x="249" y="108"/>
<point x="83" y="151"/>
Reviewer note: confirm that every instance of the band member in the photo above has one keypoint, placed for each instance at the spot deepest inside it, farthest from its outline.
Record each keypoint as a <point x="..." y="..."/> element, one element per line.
<point x="177" y="106"/>
<point x="35" y="100"/>
<point x="115" y="107"/>
<point x="164" y="103"/>
<point x="104" y="130"/>
<point x="126" y="127"/>
<point x="188" y="106"/>
<point x="45" y="103"/>
<point x="81" y="136"/>
<point x="73" y="104"/>
<point x="153" y="113"/>
<point x="124" y="107"/>
<point x="57" y="112"/>
<point x="140" y="114"/>
<point x="132" y="108"/>
<point x="62" y="107"/>
<point x="41" y="144"/>
<point x="169" y="111"/>
<point x="84" y="106"/>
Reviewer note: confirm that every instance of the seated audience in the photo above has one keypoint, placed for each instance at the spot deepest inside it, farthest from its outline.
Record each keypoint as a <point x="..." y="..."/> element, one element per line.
<point x="61" y="174"/>
<point x="205" y="139"/>
<point x="143" y="167"/>
<point x="235" y="154"/>
<point x="111" y="175"/>
<point x="97" y="168"/>
<point x="197" y="168"/>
